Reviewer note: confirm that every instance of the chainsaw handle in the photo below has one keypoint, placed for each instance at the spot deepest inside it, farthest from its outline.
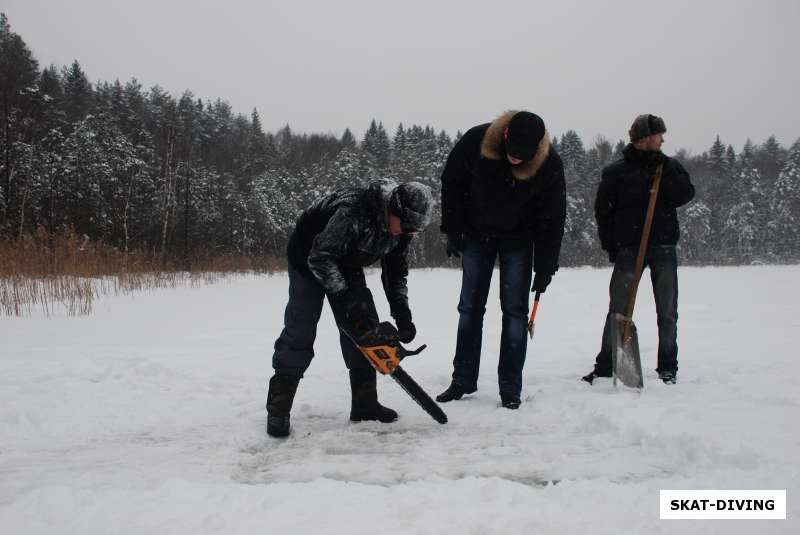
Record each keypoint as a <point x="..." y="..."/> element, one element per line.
<point x="403" y="352"/>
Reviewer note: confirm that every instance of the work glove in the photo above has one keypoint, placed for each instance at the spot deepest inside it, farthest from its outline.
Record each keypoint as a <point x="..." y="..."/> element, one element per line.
<point x="406" y="330"/>
<point x="380" y="335"/>
<point x="612" y="255"/>
<point x="355" y="312"/>
<point x="455" y="245"/>
<point x="540" y="282"/>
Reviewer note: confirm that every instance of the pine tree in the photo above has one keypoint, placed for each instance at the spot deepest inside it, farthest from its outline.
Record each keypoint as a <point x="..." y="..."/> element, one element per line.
<point x="348" y="139"/>
<point x="717" y="161"/>
<point x="399" y="142"/>
<point x="78" y="92"/>
<point x="97" y="175"/>
<point x="574" y="156"/>
<point x="19" y="72"/>
<point x="261" y="152"/>
<point x="784" y="224"/>
<point x="730" y="157"/>
<point x="580" y="241"/>
<point x="742" y="231"/>
<point x="345" y="169"/>
<point x="603" y="151"/>
<point x="695" y="224"/>
<point x="713" y="182"/>
<point x="769" y="160"/>
<point x="133" y="123"/>
<point x="376" y="145"/>
<point x="50" y="113"/>
<point x="618" y="148"/>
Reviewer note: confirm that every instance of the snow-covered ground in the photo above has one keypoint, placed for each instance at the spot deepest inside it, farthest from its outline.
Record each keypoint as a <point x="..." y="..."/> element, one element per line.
<point x="148" y="417"/>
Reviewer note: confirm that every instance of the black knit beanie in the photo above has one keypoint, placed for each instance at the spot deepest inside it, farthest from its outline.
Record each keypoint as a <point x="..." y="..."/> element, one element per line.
<point x="412" y="202"/>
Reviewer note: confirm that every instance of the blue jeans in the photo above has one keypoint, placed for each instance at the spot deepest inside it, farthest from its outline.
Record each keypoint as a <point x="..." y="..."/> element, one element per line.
<point x="515" y="280"/>
<point x="663" y="263"/>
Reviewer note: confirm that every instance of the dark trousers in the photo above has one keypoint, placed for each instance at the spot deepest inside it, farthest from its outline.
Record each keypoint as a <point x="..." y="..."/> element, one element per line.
<point x="663" y="263"/>
<point x="294" y="348"/>
<point x="515" y="279"/>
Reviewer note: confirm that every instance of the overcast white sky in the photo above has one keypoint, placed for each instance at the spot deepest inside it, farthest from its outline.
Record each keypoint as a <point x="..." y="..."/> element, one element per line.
<point x="708" y="67"/>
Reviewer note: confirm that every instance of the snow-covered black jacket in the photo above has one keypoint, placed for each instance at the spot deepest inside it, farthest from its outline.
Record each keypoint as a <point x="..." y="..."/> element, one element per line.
<point x="346" y="231"/>
<point x="487" y="199"/>
<point x="624" y="193"/>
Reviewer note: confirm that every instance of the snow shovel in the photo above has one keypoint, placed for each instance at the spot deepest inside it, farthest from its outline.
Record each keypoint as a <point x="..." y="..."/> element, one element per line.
<point x="531" y="325"/>
<point x="625" y="358"/>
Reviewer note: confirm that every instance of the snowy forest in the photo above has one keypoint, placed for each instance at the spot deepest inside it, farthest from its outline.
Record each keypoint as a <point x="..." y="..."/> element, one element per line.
<point x="177" y="176"/>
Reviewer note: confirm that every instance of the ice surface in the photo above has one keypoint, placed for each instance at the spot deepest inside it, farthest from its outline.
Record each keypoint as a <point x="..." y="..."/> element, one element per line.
<point x="148" y="416"/>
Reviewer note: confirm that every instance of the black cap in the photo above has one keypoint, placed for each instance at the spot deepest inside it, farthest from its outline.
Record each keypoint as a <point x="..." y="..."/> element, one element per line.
<point x="525" y="131"/>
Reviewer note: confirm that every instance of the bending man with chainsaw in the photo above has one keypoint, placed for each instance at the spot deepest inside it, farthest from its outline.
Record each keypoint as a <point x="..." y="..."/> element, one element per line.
<point x="333" y="241"/>
<point x="620" y="208"/>
<point x="503" y="196"/>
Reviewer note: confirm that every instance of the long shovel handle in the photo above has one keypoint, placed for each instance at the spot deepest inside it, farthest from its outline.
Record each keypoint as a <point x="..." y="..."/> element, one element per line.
<point x="637" y="272"/>
<point x="533" y="313"/>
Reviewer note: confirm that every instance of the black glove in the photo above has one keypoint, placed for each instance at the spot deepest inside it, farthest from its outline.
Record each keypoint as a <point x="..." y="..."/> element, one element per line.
<point x="455" y="245"/>
<point x="540" y="282"/>
<point x="406" y="331"/>
<point x="354" y="312"/>
<point x="380" y="335"/>
<point x="612" y="256"/>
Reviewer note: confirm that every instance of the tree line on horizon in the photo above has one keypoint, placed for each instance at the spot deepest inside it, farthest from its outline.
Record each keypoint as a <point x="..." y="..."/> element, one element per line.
<point x="140" y="169"/>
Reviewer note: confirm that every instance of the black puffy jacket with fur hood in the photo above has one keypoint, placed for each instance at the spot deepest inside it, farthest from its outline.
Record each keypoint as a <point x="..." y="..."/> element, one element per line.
<point x="487" y="199"/>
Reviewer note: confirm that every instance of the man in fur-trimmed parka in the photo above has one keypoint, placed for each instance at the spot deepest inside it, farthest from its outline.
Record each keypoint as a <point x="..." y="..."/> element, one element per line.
<point x="503" y="196"/>
<point x="333" y="240"/>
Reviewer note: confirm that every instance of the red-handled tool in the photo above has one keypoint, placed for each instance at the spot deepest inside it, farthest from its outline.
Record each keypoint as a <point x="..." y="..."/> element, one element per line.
<point x="533" y="314"/>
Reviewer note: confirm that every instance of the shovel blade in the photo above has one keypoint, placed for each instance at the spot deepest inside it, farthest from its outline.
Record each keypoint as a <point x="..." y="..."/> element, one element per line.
<point x="625" y="358"/>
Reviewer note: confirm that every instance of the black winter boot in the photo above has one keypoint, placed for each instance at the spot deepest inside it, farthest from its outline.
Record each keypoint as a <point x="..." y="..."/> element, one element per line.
<point x="669" y="377"/>
<point x="365" y="404"/>
<point x="279" y="404"/>
<point x="454" y="391"/>
<point x="509" y="400"/>
<point x="594" y="374"/>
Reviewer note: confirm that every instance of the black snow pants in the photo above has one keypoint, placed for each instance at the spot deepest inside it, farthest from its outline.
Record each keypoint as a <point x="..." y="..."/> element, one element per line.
<point x="294" y="348"/>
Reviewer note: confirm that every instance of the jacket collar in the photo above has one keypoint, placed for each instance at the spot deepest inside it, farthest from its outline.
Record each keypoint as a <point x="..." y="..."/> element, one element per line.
<point x="634" y="155"/>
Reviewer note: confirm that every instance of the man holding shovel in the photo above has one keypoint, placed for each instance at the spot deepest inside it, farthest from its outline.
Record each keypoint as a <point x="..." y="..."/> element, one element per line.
<point x="621" y="211"/>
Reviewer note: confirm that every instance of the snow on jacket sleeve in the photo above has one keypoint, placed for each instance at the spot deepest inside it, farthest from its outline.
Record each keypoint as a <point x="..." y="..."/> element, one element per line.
<point x="676" y="188"/>
<point x="329" y="247"/>
<point x="550" y="224"/>
<point x="394" y="277"/>
<point x="604" y="207"/>
<point x="455" y="189"/>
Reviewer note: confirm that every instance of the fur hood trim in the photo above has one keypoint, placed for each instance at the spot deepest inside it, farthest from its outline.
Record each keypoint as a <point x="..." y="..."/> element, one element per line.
<point x="492" y="148"/>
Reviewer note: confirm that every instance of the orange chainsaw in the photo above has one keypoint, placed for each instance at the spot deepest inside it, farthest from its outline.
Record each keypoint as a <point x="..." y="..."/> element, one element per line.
<point x="384" y="352"/>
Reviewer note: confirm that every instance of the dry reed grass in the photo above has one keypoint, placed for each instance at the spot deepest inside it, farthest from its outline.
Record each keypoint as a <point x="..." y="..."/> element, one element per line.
<point x="66" y="272"/>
